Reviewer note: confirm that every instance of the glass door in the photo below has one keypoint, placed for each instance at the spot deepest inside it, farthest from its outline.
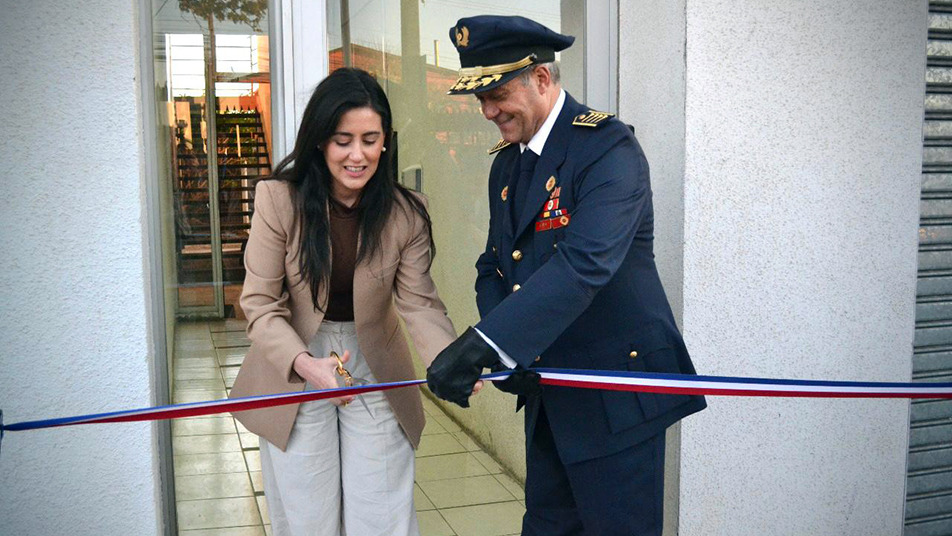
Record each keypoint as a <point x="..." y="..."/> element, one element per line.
<point x="442" y="141"/>
<point x="213" y="83"/>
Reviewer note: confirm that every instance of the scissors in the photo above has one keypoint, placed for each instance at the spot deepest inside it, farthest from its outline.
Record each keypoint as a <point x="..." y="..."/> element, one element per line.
<point x="350" y="381"/>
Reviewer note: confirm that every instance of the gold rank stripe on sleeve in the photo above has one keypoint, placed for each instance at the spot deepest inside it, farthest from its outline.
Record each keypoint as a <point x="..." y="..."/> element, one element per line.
<point x="499" y="146"/>
<point x="591" y="119"/>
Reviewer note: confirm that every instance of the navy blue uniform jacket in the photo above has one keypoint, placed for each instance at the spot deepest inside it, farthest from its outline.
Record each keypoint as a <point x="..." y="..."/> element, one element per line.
<point x="588" y="294"/>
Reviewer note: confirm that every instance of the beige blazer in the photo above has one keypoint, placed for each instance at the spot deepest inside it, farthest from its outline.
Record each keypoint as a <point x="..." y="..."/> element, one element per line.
<point x="282" y="319"/>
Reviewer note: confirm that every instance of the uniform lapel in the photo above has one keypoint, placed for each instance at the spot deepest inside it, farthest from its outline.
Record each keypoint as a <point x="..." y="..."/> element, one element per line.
<point x="553" y="154"/>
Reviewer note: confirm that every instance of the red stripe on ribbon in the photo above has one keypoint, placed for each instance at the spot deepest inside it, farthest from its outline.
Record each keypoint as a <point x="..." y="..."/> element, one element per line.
<point x="734" y="392"/>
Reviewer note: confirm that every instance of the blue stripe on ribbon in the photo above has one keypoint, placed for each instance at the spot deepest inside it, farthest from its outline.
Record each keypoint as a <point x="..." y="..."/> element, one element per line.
<point x="49" y="423"/>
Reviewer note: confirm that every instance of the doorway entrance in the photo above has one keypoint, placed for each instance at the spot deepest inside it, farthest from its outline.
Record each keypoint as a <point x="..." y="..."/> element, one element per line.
<point x="213" y="93"/>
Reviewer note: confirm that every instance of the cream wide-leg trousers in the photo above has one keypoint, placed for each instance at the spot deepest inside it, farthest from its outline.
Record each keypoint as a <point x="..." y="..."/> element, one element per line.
<point x="344" y="472"/>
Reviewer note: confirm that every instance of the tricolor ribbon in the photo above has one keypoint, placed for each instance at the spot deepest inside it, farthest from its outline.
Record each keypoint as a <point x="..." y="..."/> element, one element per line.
<point x="675" y="384"/>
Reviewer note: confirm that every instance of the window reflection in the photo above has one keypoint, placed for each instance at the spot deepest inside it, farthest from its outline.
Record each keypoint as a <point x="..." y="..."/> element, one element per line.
<point x="210" y="51"/>
<point x="442" y="140"/>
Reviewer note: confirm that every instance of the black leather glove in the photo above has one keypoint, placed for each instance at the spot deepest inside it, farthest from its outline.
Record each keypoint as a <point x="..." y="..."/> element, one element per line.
<point x="456" y="369"/>
<point x="522" y="381"/>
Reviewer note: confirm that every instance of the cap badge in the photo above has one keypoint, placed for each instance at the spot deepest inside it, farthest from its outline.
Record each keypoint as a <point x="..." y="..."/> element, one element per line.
<point x="462" y="37"/>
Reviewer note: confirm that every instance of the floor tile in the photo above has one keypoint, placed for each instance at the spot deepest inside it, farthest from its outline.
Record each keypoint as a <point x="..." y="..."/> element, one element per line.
<point x="248" y="441"/>
<point x="467" y="442"/>
<point x="448" y="466"/>
<point x="203" y="426"/>
<point x="217" y="513"/>
<point x="228" y="324"/>
<point x="488" y="462"/>
<point x="254" y="460"/>
<point x="433" y="524"/>
<point x="434" y="445"/>
<point x="230" y="372"/>
<point x="196" y="373"/>
<point x="182" y="347"/>
<point x="231" y="356"/>
<point x="199" y="385"/>
<point x="263" y="509"/>
<point x="512" y="485"/>
<point x="230" y="339"/>
<point x="485" y="519"/>
<point x="184" y="397"/>
<point x="433" y="427"/>
<point x="267" y="530"/>
<point x="187" y="331"/>
<point x="465" y="491"/>
<point x="231" y="531"/>
<point x="448" y="424"/>
<point x="205" y="444"/>
<point x="420" y="501"/>
<point x="206" y="464"/>
<point x="219" y="486"/>
<point x="203" y="359"/>
<point x="430" y="407"/>
<point x="257" y="483"/>
<point x="241" y="427"/>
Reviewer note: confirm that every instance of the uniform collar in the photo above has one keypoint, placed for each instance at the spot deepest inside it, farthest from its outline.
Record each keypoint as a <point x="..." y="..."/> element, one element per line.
<point x="538" y="141"/>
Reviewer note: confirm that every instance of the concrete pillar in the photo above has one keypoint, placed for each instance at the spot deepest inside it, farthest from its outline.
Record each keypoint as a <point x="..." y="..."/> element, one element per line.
<point x="785" y="144"/>
<point x="72" y="271"/>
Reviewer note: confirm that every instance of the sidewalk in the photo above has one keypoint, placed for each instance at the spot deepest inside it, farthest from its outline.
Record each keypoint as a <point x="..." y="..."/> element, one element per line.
<point x="460" y="490"/>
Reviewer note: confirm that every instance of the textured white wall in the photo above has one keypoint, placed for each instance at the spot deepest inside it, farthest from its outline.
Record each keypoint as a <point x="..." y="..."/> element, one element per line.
<point x="803" y="157"/>
<point x="72" y="288"/>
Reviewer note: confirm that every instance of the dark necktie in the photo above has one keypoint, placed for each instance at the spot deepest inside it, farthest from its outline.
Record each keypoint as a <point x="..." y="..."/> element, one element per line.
<point x="527" y="162"/>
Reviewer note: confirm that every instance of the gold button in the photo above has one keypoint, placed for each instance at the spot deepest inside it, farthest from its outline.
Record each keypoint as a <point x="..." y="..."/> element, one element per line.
<point x="516" y="287"/>
<point x="538" y="358"/>
<point x="555" y="245"/>
<point x="633" y="354"/>
<point x="517" y="255"/>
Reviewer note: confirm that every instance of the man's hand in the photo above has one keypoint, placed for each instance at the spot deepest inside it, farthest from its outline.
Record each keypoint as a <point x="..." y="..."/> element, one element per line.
<point x="523" y="382"/>
<point x="456" y="369"/>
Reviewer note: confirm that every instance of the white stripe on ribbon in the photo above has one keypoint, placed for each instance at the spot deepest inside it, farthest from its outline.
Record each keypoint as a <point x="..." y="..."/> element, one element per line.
<point x="585" y="379"/>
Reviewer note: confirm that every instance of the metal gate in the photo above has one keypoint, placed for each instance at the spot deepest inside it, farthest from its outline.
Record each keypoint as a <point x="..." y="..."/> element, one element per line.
<point x="929" y="480"/>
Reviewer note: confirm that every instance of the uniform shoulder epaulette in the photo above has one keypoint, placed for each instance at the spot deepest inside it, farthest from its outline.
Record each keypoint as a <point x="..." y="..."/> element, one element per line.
<point x="591" y="119"/>
<point x="499" y="146"/>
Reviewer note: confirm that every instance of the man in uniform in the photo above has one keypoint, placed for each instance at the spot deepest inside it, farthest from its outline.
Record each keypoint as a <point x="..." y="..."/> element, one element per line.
<point x="567" y="280"/>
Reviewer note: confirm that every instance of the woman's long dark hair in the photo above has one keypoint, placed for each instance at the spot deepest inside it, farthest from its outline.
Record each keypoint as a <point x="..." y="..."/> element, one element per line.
<point x="306" y="171"/>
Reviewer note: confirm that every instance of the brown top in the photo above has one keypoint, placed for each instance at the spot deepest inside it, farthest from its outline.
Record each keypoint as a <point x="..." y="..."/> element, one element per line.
<point x="344" y="227"/>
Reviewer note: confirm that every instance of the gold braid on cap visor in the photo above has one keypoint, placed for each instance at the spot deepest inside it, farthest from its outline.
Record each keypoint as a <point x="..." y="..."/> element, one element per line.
<point x="473" y="77"/>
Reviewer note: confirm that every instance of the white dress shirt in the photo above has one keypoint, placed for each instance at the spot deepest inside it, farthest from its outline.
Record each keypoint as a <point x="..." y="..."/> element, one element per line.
<point x="535" y="145"/>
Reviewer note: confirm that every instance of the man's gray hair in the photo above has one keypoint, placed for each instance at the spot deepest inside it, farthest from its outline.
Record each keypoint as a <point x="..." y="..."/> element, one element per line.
<point x="553" y="67"/>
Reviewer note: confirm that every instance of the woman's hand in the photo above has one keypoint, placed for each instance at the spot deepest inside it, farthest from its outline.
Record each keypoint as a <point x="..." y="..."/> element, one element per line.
<point x="477" y="386"/>
<point x="321" y="372"/>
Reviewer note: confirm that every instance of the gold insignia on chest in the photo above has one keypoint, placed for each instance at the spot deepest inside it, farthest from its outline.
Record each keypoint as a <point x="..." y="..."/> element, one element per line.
<point x="499" y="146"/>
<point x="549" y="184"/>
<point x="462" y="36"/>
<point x="591" y="119"/>
<point x="505" y="193"/>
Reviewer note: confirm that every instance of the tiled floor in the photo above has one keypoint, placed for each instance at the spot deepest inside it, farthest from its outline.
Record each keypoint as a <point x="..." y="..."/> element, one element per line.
<point x="459" y="488"/>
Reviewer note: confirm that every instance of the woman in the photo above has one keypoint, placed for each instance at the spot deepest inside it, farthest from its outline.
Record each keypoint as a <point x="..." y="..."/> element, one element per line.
<point x="337" y="249"/>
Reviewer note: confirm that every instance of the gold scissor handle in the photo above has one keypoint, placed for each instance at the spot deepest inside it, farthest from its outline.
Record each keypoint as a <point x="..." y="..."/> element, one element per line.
<point x="342" y="372"/>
